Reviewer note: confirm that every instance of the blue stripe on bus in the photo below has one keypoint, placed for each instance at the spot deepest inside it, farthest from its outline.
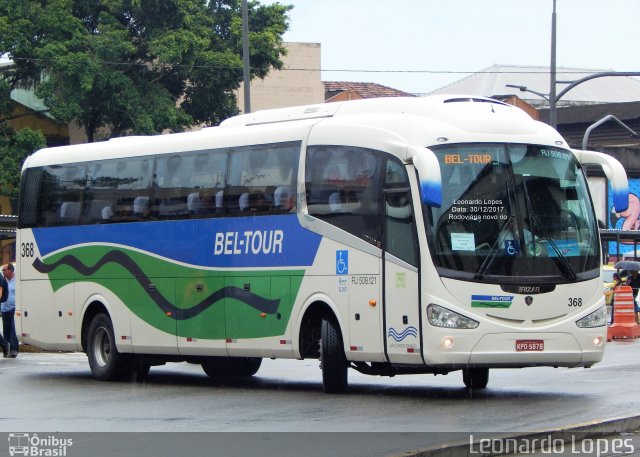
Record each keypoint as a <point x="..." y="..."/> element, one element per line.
<point x="266" y="241"/>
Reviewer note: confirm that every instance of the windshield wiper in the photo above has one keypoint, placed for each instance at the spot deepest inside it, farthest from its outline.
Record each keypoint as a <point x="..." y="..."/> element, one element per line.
<point x="563" y="264"/>
<point x="488" y="260"/>
<point x="561" y="261"/>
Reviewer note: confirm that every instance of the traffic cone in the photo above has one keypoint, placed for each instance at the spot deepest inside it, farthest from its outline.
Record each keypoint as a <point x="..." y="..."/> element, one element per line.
<point x="624" y="315"/>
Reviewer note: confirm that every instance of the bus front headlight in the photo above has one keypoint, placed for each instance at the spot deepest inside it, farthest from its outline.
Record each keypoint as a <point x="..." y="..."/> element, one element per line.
<point x="442" y="317"/>
<point x="598" y="318"/>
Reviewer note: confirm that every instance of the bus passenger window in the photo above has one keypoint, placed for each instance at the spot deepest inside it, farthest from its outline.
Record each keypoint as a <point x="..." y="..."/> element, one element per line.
<point x="61" y="194"/>
<point x="343" y="188"/>
<point x="260" y="178"/>
<point x="202" y="180"/>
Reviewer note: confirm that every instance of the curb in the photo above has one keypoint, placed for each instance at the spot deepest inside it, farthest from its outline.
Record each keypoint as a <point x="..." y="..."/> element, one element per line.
<point x="592" y="429"/>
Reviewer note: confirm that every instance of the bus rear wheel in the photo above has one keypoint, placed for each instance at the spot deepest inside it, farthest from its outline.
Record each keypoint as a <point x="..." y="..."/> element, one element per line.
<point x="231" y="367"/>
<point x="106" y="363"/>
<point x="475" y="378"/>
<point x="332" y="359"/>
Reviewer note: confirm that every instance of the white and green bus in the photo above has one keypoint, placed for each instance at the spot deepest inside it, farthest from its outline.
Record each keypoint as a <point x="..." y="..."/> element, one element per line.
<point x="390" y="236"/>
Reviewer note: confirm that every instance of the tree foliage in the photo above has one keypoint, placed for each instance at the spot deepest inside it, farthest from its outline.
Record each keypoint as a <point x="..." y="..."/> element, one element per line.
<point x="14" y="147"/>
<point x="138" y="66"/>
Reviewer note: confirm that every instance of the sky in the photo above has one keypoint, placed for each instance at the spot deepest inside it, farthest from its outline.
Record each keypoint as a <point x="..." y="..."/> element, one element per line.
<point x="421" y="45"/>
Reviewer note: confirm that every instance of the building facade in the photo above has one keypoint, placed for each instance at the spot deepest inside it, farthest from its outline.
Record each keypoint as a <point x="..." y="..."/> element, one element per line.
<point x="298" y="83"/>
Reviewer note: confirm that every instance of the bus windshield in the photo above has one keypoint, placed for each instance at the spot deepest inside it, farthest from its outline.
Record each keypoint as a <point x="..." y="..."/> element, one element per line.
<point x="512" y="213"/>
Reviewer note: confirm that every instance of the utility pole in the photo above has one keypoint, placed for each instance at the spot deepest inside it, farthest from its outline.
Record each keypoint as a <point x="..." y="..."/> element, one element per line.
<point x="553" y="96"/>
<point x="553" y="115"/>
<point x="245" y="57"/>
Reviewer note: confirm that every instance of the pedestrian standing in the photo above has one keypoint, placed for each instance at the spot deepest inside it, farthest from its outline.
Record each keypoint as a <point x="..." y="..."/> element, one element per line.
<point x="4" y="295"/>
<point x="8" y="309"/>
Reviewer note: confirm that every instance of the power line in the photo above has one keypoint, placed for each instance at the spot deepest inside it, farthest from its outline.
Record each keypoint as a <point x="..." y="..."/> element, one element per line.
<point x="441" y="72"/>
<point x="525" y="70"/>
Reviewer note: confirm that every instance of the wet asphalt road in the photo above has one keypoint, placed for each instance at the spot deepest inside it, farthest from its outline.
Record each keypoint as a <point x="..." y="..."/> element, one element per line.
<point x="55" y="393"/>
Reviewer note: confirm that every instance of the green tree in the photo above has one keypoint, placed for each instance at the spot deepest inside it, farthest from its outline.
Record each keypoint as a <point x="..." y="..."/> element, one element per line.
<point x="14" y="146"/>
<point x="138" y="66"/>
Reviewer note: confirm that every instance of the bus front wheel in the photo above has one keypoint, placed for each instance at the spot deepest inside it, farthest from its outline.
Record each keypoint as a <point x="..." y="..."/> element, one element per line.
<point x="475" y="378"/>
<point x="106" y="363"/>
<point x="332" y="359"/>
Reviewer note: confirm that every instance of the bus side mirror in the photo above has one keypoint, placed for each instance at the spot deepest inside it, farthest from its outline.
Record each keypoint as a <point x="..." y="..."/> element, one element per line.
<point x="615" y="174"/>
<point x="429" y="176"/>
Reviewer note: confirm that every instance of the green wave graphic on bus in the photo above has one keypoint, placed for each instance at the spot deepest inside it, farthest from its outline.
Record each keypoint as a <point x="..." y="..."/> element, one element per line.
<point x="185" y="301"/>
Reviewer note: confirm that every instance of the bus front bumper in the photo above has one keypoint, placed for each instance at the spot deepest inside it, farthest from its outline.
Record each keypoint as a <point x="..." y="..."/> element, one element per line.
<point x="518" y="349"/>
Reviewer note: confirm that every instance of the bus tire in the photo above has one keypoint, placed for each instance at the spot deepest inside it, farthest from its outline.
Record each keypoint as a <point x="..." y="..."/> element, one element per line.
<point x="245" y="367"/>
<point x="475" y="378"/>
<point x="231" y="367"/>
<point x="332" y="359"/>
<point x="106" y="363"/>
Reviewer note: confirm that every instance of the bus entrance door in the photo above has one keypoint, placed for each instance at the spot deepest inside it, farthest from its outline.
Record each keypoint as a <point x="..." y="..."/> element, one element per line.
<point x="401" y="291"/>
<point x="402" y="312"/>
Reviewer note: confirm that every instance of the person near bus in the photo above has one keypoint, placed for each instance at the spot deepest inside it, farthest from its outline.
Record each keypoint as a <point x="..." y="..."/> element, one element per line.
<point x="8" y="309"/>
<point x="609" y="292"/>
<point x="4" y="288"/>
<point x="616" y="280"/>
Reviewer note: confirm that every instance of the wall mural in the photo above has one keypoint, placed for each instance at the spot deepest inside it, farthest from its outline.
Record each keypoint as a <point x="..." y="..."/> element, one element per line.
<point x="625" y="220"/>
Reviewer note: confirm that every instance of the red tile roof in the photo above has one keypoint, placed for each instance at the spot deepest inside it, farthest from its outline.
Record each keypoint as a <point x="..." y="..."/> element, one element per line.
<point x="364" y="90"/>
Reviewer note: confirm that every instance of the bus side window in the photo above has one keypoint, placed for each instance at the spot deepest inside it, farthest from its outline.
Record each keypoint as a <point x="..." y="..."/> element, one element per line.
<point x="116" y="188"/>
<point x="261" y="178"/>
<point x="205" y="174"/>
<point x="400" y="234"/>
<point x="28" y="214"/>
<point x="62" y="193"/>
<point x="343" y="187"/>
<point x="400" y="231"/>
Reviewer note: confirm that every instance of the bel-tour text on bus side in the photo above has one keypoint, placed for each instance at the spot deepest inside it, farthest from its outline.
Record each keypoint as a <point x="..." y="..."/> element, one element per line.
<point x="248" y="242"/>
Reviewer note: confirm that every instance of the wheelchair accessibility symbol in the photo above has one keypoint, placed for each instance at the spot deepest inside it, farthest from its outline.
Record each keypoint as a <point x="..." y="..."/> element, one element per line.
<point x="511" y="247"/>
<point x="342" y="262"/>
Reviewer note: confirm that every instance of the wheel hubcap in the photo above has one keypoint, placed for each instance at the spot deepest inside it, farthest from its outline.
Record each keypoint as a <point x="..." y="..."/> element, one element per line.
<point x="102" y="347"/>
